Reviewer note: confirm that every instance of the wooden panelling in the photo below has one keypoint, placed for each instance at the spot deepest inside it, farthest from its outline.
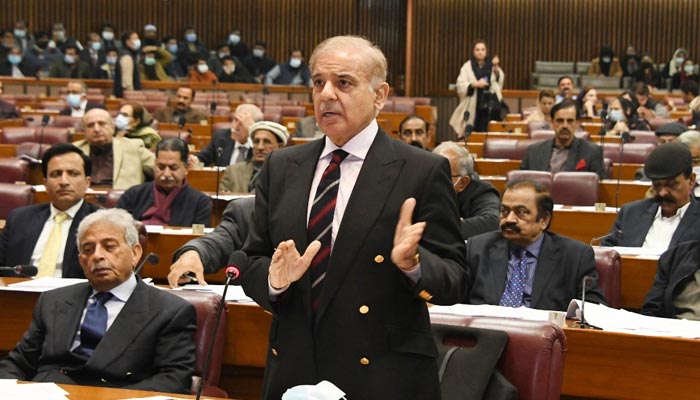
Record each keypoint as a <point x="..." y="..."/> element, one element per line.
<point x="519" y="31"/>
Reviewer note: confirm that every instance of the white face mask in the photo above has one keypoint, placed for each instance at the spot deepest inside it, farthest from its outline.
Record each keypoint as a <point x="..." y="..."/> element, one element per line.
<point x="20" y="33"/>
<point x="69" y="59"/>
<point x="202" y="68"/>
<point x="617" y="115"/>
<point x="679" y="60"/>
<point x="107" y="35"/>
<point x="689" y="69"/>
<point x="96" y="46"/>
<point x="234" y="39"/>
<point x="111" y="60"/>
<point x="606" y="59"/>
<point x="696" y="170"/>
<point x="121" y="122"/>
<point x="73" y="100"/>
<point x="294" y="62"/>
<point x="258" y="53"/>
<point x="136" y="44"/>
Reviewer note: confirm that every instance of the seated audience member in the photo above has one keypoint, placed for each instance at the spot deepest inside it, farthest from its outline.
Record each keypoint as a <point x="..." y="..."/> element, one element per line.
<point x="217" y="58"/>
<point x="566" y="87"/>
<point x="117" y="162"/>
<point x="565" y="152"/>
<point x="113" y="330"/>
<point x="691" y="139"/>
<point x="190" y="49"/>
<point x="675" y="64"/>
<point x="259" y="63"/>
<point x="237" y="47"/>
<point x="60" y="38"/>
<point x="479" y="201"/>
<point x="70" y="66"/>
<point x="307" y="127"/>
<point x="209" y="253"/>
<point x="292" y="72"/>
<point x="108" y="38"/>
<point x="648" y="74"/>
<point x="687" y="73"/>
<point x="17" y="66"/>
<point x="668" y="133"/>
<point x="235" y="144"/>
<point x="134" y="122"/>
<point x="233" y="71"/>
<point x="267" y="137"/>
<point x="76" y="97"/>
<point x="674" y="293"/>
<point x="630" y="62"/>
<point x="150" y="35"/>
<point x="126" y="72"/>
<point x="415" y="131"/>
<point x="648" y="106"/>
<point x="183" y="108"/>
<point x="690" y="91"/>
<point x="41" y="55"/>
<point x="622" y="117"/>
<point x="94" y="54"/>
<point x="153" y="62"/>
<point x="23" y="36"/>
<point x="7" y="110"/>
<point x="545" y="101"/>
<point x="671" y="216"/>
<point x="44" y="234"/>
<point x="169" y="199"/>
<point x="108" y="69"/>
<point x="524" y="264"/>
<point x="586" y="102"/>
<point x="176" y="69"/>
<point x="606" y="64"/>
<point x="200" y="73"/>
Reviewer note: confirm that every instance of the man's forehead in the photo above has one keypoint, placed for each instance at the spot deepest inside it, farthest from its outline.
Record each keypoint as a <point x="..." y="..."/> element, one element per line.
<point x="102" y="231"/>
<point x="521" y="195"/>
<point x="414" y="123"/>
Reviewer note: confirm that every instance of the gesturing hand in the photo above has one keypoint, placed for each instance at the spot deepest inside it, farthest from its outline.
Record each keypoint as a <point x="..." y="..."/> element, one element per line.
<point x="287" y="265"/>
<point x="406" y="237"/>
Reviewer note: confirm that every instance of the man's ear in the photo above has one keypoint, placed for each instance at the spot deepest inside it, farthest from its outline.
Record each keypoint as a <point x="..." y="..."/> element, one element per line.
<point x="382" y="92"/>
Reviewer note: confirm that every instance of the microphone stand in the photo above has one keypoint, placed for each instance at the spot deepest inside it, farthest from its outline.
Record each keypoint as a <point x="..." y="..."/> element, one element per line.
<point x="217" y="155"/>
<point x="231" y="273"/>
<point x="152" y="258"/>
<point x="587" y="282"/>
<point x="44" y="121"/>
<point x="219" y="150"/>
<point x="624" y="138"/>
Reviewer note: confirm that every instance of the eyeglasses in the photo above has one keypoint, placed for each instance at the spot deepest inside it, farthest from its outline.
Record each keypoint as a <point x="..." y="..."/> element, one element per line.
<point x="520" y="212"/>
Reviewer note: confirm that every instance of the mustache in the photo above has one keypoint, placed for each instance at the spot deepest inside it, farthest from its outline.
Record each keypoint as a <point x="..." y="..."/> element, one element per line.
<point x="416" y="144"/>
<point x="167" y="179"/>
<point x="329" y="107"/>
<point x="100" y="265"/>
<point x="512" y="226"/>
<point x="665" y="199"/>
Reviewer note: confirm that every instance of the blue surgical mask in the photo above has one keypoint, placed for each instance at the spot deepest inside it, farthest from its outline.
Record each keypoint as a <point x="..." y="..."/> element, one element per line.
<point x="96" y="46"/>
<point x="294" y="62"/>
<point x="258" y="53"/>
<point x="14" y="59"/>
<point x="149" y="61"/>
<point x="689" y="69"/>
<point x="191" y="37"/>
<point x="111" y="60"/>
<point x="20" y="33"/>
<point x="234" y="39"/>
<point x="73" y="100"/>
<point x="616" y="115"/>
<point x="121" y="122"/>
<point x="69" y="59"/>
<point x="172" y="48"/>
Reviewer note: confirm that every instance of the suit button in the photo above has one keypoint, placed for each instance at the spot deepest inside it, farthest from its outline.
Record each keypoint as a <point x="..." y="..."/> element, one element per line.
<point x="129" y="373"/>
<point x="64" y="372"/>
<point x="425" y="295"/>
<point x="364" y="361"/>
<point x="379" y="259"/>
<point x="274" y="352"/>
<point x="364" y="310"/>
<point x="103" y="380"/>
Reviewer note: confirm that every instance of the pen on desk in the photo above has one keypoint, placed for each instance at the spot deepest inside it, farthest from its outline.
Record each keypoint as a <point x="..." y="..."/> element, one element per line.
<point x="192" y="277"/>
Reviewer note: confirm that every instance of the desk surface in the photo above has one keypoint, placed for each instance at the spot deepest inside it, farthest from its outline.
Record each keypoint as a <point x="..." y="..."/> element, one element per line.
<point x="91" y="392"/>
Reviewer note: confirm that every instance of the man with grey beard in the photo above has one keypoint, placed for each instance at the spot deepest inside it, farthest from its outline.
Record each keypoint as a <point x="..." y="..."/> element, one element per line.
<point x="168" y="200"/>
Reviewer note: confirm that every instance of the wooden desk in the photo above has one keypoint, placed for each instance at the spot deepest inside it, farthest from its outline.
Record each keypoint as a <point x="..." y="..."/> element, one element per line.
<point x="92" y="392"/>
<point x="7" y="150"/>
<point x="637" y="278"/>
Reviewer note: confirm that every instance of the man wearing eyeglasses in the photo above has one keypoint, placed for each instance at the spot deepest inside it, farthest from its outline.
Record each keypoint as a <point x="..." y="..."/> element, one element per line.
<point x="565" y="152"/>
<point x="671" y="216"/>
<point x="524" y="264"/>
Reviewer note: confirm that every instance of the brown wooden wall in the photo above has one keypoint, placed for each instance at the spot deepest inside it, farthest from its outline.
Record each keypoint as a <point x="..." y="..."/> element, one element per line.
<point x="520" y="31"/>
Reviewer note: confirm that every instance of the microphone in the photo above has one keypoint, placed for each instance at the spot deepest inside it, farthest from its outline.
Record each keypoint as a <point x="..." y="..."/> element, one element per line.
<point x="586" y="283"/>
<point x="232" y="272"/>
<point x="19" y="271"/>
<point x="180" y="124"/>
<point x="152" y="259"/>
<point x="617" y="234"/>
<point x="604" y="120"/>
<point x="44" y="121"/>
<point x="212" y="108"/>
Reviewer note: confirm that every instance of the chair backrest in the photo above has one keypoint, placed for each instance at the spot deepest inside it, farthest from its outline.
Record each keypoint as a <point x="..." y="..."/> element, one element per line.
<point x="52" y="134"/>
<point x="13" y="196"/>
<point x="404" y="105"/>
<point x="608" y="266"/>
<point x="510" y="149"/>
<point x="32" y="149"/>
<point x="66" y="121"/>
<point x="207" y="305"/>
<point x="541" y="134"/>
<point x="111" y="199"/>
<point x="601" y="82"/>
<point x="575" y="188"/>
<point x="554" y="67"/>
<point x="544" y="177"/>
<point x="17" y="134"/>
<point x="633" y="153"/>
<point x="657" y="122"/>
<point x="14" y="170"/>
<point x="533" y="359"/>
<point x="538" y="125"/>
<point x="644" y="137"/>
<point x="293" y="111"/>
<point x="184" y="134"/>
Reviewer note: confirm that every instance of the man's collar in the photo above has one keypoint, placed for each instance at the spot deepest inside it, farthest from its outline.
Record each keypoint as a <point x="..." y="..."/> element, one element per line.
<point x="358" y="146"/>
<point x="124" y="290"/>
<point x="70" y="211"/>
<point x="680" y="212"/>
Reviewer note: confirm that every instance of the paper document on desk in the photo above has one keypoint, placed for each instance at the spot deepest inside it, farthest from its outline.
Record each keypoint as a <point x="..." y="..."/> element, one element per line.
<point x="42" y="284"/>
<point x="623" y="321"/>
<point x="31" y="391"/>
<point x="485" y="310"/>
<point x="235" y="293"/>
<point x="639" y="251"/>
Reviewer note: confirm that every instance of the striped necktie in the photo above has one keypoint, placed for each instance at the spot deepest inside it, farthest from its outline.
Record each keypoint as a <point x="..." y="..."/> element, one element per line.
<point x="321" y="222"/>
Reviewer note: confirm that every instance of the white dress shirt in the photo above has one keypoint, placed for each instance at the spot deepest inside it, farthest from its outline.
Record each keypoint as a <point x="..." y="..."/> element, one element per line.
<point x="238" y="147"/>
<point x="80" y="111"/>
<point x="46" y="232"/>
<point x="662" y="229"/>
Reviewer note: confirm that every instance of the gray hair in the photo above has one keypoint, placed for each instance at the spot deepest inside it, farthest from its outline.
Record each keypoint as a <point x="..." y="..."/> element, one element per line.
<point x="115" y="217"/>
<point x="367" y="52"/>
<point x="465" y="161"/>
<point x="689" y="138"/>
<point x="254" y="111"/>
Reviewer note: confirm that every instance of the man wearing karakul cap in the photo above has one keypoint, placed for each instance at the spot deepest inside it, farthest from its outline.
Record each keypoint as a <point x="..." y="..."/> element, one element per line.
<point x="668" y="133"/>
<point x="668" y="218"/>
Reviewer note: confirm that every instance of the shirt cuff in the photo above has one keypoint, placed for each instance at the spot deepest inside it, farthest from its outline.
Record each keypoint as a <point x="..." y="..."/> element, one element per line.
<point x="272" y="292"/>
<point x="414" y="274"/>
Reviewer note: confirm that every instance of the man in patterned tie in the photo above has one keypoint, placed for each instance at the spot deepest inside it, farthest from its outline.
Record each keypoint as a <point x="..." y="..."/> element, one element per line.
<point x="113" y="330"/>
<point x="524" y="264"/>
<point x="377" y="223"/>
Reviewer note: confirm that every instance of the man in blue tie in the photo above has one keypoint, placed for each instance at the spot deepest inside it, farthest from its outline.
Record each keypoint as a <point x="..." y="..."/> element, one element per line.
<point x="524" y="264"/>
<point x="113" y="330"/>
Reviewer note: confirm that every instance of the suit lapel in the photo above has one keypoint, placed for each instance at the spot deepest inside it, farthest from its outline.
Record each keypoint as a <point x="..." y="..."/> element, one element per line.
<point x="66" y="317"/>
<point x="573" y="156"/>
<point x="131" y="320"/>
<point x="690" y="218"/>
<point x="647" y="218"/>
<point x="545" y="155"/>
<point x="70" y="252"/>
<point x="546" y="266"/>
<point x="379" y="173"/>
<point x="34" y="227"/>
<point x="117" y="155"/>
<point x="498" y="270"/>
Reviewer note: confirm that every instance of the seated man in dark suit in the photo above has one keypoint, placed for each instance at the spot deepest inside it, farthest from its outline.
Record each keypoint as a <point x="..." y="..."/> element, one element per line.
<point x="479" y="201"/>
<point x="183" y="108"/>
<point x="230" y="146"/>
<point x="76" y="98"/>
<point x="209" y="253"/>
<point x="113" y="330"/>
<point x="169" y="199"/>
<point x="565" y="152"/>
<point x="674" y="293"/>
<point x="668" y="218"/>
<point x="525" y="264"/>
<point x="44" y="234"/>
